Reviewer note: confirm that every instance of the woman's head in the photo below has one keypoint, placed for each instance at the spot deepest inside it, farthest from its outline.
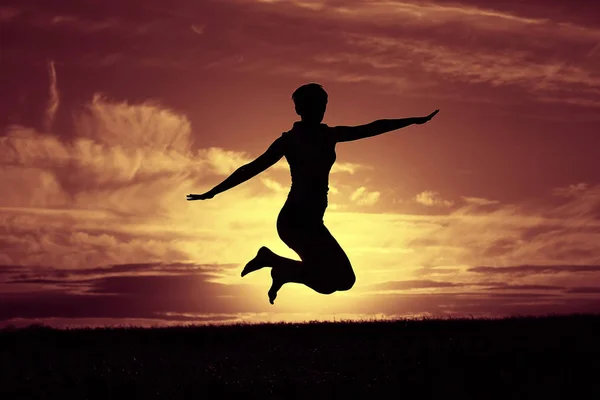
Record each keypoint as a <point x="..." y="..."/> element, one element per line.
<point x="310" y="101"/>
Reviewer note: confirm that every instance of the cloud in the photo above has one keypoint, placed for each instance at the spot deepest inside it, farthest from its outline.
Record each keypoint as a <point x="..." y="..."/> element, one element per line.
<point x="508" y="227"/>
<point x="53" y="100"/>
<point x="504" y="286"/>
<point x="475" y="304"/>
<point x="146" y="125"/>
<point x="431" y="198"/>
<point x="131" y="297"/>
<point x="21" y="273"/>
<point x="363" y="197"/>
<point x="122" y="155"/>
<point x="414" y="284"/>
<point x="571" y="190"/>
<point x="348" y="167"/>
<point x="479" y="201"/>
<point x="575" y="101"/>
<point x="161" y="292"/>
<point x="437" y="43"/>
<point x="197" y="28"/>
<point x="223" y="162"/>
<point x="80" y="24"/>
<point x="438" y="46"/>
<point x="433" y="13"/>
<point x="274" y="185"/>
<point x="585" y="290"/>
<point x="107" y="194"/>
<point x="187" y="293"/>
<point x="536" y="269"/>
<point x="8" y="13"/>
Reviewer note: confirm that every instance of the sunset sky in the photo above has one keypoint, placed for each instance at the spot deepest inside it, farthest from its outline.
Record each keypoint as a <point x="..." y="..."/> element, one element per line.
<point x="111" y="112"/>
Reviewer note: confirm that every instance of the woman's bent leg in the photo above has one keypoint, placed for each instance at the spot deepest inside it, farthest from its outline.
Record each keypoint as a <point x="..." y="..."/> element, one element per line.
<point x="325" y="267"/>
<point x="285" y="270"/>
<point x="329" y="265"/>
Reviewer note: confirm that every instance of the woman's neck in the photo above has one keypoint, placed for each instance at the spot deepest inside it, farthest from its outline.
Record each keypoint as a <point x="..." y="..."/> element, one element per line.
<point x="307" y="124"/>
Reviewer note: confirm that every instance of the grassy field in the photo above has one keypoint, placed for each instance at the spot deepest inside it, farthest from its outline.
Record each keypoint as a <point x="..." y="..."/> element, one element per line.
<point x="529" y="358"/>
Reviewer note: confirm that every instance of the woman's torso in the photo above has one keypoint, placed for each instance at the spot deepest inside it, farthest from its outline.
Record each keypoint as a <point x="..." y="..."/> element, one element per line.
<point x="310" y="152"/>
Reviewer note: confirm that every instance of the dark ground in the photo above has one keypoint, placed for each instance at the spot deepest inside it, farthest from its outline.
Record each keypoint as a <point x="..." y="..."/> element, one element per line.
<point x="528" y="358"/>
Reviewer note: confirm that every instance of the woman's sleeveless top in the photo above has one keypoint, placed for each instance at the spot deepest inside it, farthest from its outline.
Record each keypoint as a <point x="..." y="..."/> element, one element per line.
<point x="310" y="152"/>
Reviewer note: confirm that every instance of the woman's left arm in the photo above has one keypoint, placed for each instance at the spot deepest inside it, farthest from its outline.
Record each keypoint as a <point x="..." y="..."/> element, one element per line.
<point x="349" y="133"/>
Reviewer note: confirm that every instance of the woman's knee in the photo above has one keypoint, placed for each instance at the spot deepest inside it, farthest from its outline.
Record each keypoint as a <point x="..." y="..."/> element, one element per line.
<point x="324" y="286"/>
<point x="331" y="274"/>
<point x="346" y="282"/>
<point x="340" y="282"/>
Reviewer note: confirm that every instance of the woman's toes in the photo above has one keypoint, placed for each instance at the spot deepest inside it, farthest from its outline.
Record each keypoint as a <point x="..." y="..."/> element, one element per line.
<point x="276" y="285"/>
<point x="256" y="263"/>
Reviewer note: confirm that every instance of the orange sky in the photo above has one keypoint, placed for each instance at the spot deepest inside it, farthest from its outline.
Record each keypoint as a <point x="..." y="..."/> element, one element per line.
<point x="111" y="112"/>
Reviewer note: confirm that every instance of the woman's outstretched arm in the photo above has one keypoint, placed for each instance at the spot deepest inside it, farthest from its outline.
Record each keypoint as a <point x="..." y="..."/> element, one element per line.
<point x="349" y="133"/>
<point x="245" y="172"/>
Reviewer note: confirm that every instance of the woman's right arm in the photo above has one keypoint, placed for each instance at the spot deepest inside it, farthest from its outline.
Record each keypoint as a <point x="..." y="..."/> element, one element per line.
<point x="273" y="154"/>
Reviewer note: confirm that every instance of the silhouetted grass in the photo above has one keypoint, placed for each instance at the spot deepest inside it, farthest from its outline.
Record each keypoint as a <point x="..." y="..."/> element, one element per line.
<point x="526" y="357"/>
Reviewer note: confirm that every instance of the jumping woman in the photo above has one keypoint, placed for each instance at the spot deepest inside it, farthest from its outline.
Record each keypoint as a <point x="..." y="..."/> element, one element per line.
<point x="309" y="148"/>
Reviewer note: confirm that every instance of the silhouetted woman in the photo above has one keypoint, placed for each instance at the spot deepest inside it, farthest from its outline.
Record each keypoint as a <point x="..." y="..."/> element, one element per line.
<point x="309" y="148"/>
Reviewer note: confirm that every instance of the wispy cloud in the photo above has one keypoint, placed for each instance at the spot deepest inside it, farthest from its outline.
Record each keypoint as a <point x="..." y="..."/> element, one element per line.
<point x="363" y="197"/>
<point x="8" y="13"/>
<point x="536" y="269"/>
<point x="80" y="24"/>
<point x="436" y="46"/>
<point x="585" y="290"/>
<point x="197" y="28"/>
<point x="414" y="284"/>
<point x="458" y="42"/>
<point x="431" y="198"/>
<point x="479" y="201"/>
<point x="53" y="99"/>
<point x="274" y="185"/>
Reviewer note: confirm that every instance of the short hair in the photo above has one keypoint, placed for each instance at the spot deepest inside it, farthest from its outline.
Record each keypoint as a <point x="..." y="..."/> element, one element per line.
<point x="309" y="93"/>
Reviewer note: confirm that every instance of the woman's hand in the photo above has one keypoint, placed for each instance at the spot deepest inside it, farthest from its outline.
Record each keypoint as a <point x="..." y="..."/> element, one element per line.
<point x="204" y="196"/>
<point x="422" y="120"/>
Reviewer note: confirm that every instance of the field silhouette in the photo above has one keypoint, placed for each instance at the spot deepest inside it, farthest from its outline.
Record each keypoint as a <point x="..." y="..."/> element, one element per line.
<point x="519" y="357"/>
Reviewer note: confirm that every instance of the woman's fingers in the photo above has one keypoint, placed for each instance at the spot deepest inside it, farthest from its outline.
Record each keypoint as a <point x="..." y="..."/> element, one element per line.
<point x="199" y="196"/>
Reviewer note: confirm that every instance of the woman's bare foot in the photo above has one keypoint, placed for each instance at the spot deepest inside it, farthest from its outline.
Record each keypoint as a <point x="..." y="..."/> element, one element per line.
<point x="258" y="262"/>
<point x="278" y="282"/>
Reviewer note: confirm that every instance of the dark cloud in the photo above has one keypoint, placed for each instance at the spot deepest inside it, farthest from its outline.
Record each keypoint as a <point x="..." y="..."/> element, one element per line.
<point x="435" y="270"/>
<point x="132" y="297"/>
<point x="452" y="43"/>
<point x="10" y="269"/>
<point x="478" y="304"/>
<point x="506" y="286"/>
<point x="52" y="275"/>
<point x="500" y="247"/>
<point x="191" y="298"/>
<point x="585" y="290"/>
<point x="413" y="284"/>
<point x="424" y="242"/>
<point x="517" y="295"/>
<point x="536" y="269"/>
<point x="22" y="279"/>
